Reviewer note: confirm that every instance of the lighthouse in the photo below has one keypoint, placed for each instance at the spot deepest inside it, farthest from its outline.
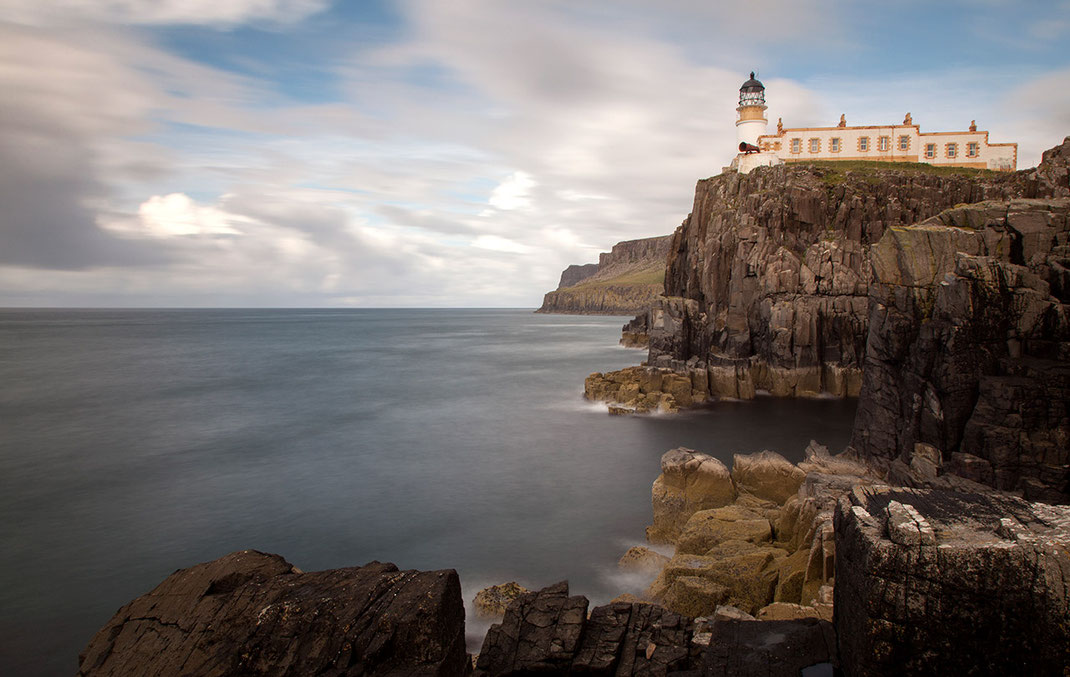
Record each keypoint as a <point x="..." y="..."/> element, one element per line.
<point x="750" y="119"/>
<point x="751" y="124"/>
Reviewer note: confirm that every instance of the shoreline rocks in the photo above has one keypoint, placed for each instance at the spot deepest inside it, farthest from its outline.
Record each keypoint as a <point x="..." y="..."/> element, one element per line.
<point x="251" y="613"/>
<point x="758" y="535"/>
<point x="490" y="603"/>
<point x="935" y="581"/>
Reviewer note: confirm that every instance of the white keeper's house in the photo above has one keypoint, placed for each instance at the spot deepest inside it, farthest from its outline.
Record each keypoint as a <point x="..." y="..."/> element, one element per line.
<point x="903" y="142"/>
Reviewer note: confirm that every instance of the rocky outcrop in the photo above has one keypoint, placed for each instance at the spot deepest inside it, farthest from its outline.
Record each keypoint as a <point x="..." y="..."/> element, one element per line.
<point x="766" y="285"/>
<point x="642" y="560"/>
<point x="549" y="632"/>
<point x="759" y="535"/>
<point x="576" y="273"/>
<point x="626" y="281"/>
<point x="968" y="363"/>
<point x="951" y="583"/>
<point x="251" y="613"/>
<point x="634" y="333"/>
<point x="490" y="603"/>
<point x="690" y="481"/>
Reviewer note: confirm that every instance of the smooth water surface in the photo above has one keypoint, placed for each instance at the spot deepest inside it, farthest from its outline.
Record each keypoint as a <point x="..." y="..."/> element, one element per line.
<point x="134" y="443"/>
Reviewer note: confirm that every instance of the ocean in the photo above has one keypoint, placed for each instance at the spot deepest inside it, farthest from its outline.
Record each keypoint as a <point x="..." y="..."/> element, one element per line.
<point x="137" y="442"/>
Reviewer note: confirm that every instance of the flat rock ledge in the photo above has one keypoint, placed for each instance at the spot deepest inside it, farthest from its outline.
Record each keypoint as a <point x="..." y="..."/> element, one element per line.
<point x="251" y="613"/>
<point x="941" y="582"/>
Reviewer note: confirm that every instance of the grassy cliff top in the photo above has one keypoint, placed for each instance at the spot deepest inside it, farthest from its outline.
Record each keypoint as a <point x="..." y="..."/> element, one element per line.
<point x="649" y="275"/>
<point x="835" y="171"/>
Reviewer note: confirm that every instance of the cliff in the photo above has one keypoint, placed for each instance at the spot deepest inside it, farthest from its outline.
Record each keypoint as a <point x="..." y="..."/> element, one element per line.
<point x="767" y="278"/>
<point x="626" y="280"/>
<point x="967" y="368"/>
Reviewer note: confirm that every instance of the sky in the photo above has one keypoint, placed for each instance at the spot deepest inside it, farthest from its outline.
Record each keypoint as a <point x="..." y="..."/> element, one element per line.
<point x="434" y="153"/>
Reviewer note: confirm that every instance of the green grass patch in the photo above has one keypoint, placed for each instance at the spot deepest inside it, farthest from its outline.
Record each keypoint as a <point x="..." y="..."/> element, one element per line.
<point x="638" y="277"/>
<point x="835" y="171"/>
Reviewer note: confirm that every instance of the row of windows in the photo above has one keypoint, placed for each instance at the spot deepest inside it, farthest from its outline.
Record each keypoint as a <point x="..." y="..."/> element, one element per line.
<point x="973" y="149"/>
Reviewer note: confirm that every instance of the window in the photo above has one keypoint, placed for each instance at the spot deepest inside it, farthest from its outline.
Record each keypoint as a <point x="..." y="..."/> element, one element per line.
<point x="904" y="142"/>
<point x="930" y="150"/>
<point x="884" y="142"/>
<point x="973" y="149"/>
<point x="863" y="143"/>
<point x="834" y="145"/>
<point x="796" y="145"/>
<point x="952" y="149"/>
<point x="815" y="145"/>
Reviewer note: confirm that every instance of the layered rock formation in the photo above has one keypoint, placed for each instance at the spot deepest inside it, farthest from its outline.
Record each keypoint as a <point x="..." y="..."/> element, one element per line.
<point x="758" y="538"/>
<point x="626" y="281"/>
<point x="968" y="364"/>
<point x="251" y="613"/>
<point x="951" y="583"/>
<point x="549" y="632"/>
<point x="576" y="273"/>
<point x="767" y="279"/>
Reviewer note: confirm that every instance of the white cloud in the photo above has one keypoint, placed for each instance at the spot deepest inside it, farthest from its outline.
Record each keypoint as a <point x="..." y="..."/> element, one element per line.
<point x="176" y="214"/>
<point x="199" y="12"/>
<point x="513" y="193"/>
<point x="500" y="244"/>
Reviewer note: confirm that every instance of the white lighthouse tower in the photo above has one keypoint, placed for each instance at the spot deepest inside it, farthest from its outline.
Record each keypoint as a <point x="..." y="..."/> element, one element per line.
<point x="750" y="121"/>
<point x="750" y="124"/>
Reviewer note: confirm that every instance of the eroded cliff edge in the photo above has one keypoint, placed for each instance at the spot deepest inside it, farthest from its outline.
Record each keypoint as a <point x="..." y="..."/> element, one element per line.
<point x="625" y="281"/>
<point x="767" y="279"/>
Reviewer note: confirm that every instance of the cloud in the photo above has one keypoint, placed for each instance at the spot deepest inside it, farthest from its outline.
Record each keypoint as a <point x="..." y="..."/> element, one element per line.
<point x="513" y="193"/>
<point x="223" y="13"/>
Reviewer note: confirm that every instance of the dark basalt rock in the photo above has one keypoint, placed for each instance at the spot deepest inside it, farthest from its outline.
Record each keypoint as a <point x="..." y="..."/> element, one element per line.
<point x="767" y="278"/>
<point x="935" y="582"/>
<point x="968" y="363"/>
<point x="250" y="613"/>
<point x="548" y="633"/>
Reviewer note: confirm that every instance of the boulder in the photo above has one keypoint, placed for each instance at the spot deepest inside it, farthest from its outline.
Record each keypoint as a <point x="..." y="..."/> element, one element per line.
<point x="747" y="572"/>
<point x="642" y="560"/>
<point x="767" y="475"/>
<point x="951" y="583"/>
<point x="251" y="613"/>
<point x="690" y="481"/>
<point x="549" y="632"/>
<point x="708" y="528"/>
<point x="490" y="603"/>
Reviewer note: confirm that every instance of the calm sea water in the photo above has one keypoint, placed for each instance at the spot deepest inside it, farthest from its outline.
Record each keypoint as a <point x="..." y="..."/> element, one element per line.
<point x="134" y="443"/>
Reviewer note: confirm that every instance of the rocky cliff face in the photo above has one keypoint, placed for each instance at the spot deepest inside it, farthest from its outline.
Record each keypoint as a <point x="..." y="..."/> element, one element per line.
<point x="767" y="278"/>
<point x="625" y="281"/>
<point x="951" y="583"/>
<point x="968" y="363"/>
<point x="576" y="273"/>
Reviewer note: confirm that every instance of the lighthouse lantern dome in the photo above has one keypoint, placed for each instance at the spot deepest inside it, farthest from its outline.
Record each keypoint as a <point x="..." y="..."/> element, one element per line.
<point x="752" y="93"/>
